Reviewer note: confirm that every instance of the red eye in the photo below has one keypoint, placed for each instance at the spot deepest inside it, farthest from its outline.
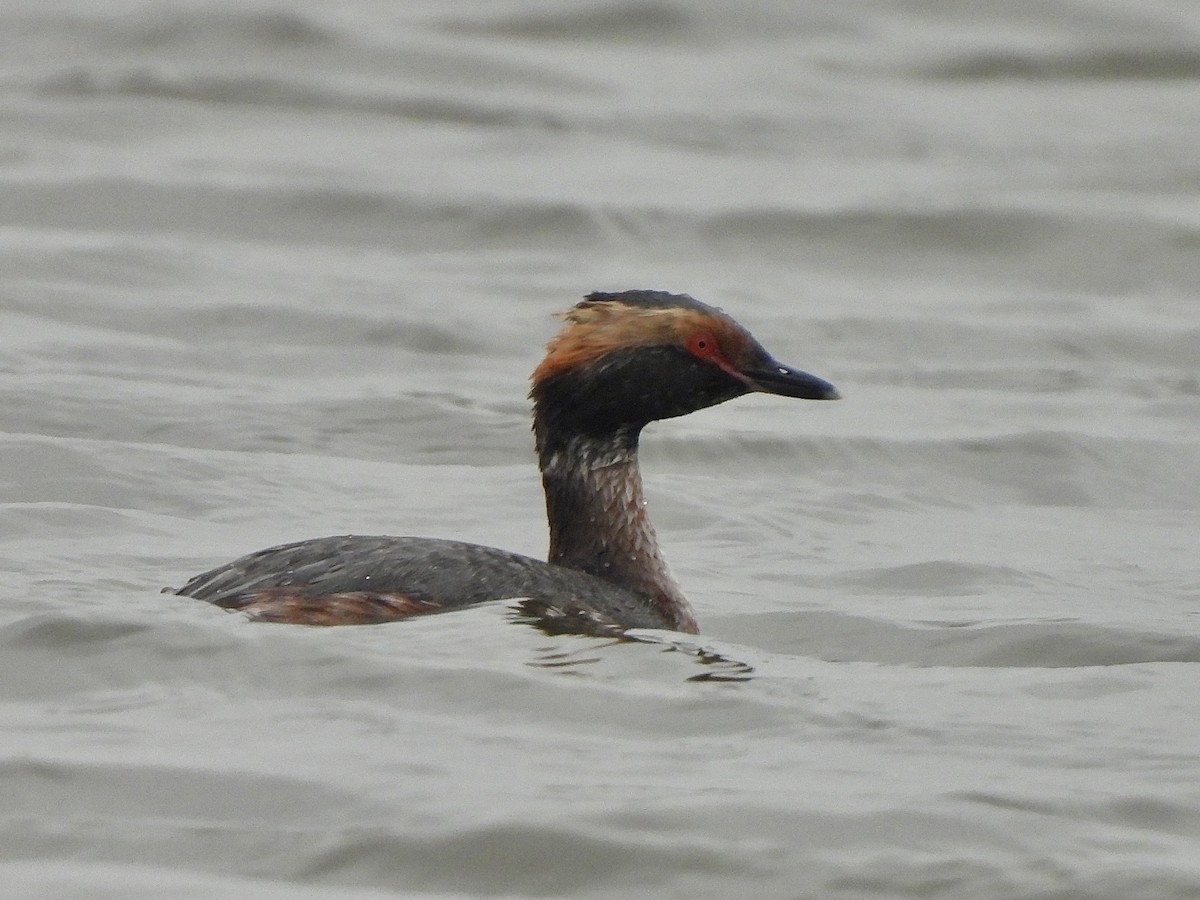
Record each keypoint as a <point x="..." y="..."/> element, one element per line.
<point x="703" y="345"/>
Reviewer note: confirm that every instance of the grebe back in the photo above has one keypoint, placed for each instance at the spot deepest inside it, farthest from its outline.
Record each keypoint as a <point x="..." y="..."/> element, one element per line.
<point x="621" y="361"/>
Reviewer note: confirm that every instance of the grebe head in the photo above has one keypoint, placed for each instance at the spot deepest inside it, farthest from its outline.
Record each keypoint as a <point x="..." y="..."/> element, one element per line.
<point x="626" y="359"/>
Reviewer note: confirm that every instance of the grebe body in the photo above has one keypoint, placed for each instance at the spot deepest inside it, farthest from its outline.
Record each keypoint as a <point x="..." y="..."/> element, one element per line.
<point x="621" y="361"/>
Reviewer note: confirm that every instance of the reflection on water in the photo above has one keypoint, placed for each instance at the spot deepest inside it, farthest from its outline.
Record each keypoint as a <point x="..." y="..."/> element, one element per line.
<point x="718" y="664"/>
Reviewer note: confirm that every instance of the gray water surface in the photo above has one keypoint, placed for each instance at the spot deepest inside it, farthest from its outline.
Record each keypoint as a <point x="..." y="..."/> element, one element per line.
<point x="271" y="271"/>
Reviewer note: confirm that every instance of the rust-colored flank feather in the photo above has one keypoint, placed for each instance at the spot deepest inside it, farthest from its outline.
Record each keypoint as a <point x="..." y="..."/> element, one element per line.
<point x="296" y="607"/>
<point x="621" y="361"/>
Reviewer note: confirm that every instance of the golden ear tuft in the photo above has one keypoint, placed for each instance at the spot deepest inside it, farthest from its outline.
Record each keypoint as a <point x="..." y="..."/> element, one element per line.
<point x="594" y="329"/>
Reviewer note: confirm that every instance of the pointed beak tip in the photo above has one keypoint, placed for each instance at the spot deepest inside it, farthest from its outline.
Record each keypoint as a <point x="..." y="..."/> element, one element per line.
<point x="789" y="382"/>
<point x="824" y="391"/>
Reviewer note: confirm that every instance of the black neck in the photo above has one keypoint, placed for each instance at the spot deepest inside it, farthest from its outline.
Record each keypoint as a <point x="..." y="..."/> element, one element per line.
<point x="597" y="515"/>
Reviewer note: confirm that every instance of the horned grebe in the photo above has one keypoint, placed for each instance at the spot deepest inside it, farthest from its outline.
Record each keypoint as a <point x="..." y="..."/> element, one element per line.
<point x="622" y="360"/>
